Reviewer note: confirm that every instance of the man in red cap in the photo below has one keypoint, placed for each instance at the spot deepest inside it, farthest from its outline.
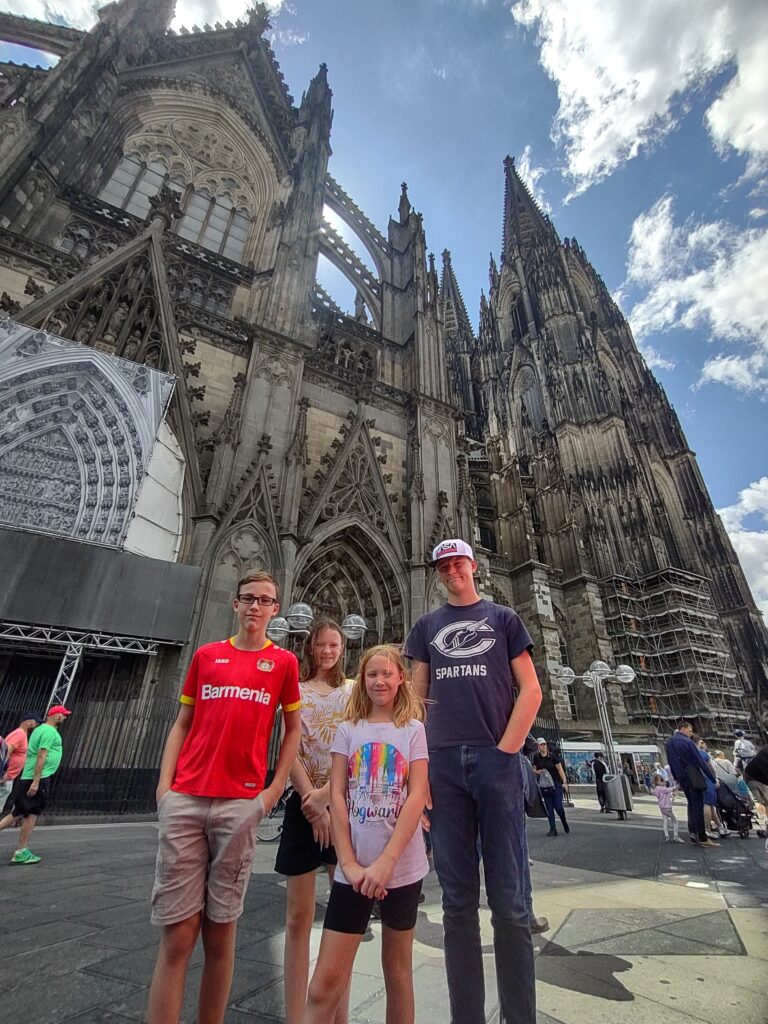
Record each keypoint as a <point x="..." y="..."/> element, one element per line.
<point x="31" y="787"/>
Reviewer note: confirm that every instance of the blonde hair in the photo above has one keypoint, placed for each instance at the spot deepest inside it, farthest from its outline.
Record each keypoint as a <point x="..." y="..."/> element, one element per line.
<point x="407" y="705"/>
<point x="308" y="663"/>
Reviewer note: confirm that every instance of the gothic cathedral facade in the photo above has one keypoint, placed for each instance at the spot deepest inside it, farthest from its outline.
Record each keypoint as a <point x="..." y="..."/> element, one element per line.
<point x="162" y="200"/>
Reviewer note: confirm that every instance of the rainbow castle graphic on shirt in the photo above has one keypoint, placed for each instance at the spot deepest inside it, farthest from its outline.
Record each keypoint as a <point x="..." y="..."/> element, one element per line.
<point x="377" y="777"/>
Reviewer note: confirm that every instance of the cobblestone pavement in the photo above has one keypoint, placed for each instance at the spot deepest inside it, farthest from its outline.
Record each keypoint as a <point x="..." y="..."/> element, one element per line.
<point x="641" y="931"/>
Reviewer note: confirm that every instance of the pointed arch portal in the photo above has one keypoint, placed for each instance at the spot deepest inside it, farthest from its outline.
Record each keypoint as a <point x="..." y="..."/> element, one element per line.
<point x="77" y="429"/>
<point x="349" y="572"/>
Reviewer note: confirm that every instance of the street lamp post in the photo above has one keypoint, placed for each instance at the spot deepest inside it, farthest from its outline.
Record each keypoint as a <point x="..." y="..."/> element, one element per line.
<point x="595" y="678"/>
<point x="298" y="622"/>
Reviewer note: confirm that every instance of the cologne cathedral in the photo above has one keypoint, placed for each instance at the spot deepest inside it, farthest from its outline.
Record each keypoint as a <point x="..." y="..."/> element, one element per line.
<point x="162" y="201"/>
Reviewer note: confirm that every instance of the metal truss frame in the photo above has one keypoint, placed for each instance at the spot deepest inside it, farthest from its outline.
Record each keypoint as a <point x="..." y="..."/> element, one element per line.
<point x="99" y="641"/>
<point x="74" y="642"/>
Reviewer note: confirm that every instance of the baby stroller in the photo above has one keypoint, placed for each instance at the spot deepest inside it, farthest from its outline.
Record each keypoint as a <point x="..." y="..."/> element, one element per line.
<point x="735" y="812"/>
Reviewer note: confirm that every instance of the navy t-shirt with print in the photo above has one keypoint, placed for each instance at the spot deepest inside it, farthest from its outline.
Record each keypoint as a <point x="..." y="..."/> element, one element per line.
<point x="471" y="690"/>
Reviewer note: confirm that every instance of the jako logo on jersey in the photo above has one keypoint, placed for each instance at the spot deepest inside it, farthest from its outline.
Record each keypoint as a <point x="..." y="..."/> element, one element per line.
<point x="221" y="661"/>
<point x="209" y="692"/>
<point x="462" y="639"/>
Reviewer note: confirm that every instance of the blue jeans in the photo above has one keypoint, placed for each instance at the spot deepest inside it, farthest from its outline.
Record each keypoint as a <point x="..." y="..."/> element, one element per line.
<point x="553" y="801"/>
<point x="478" y="792"/>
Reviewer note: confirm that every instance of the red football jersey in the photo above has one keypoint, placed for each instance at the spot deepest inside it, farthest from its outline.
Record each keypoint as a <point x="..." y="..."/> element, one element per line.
<point x="235" y="696"/>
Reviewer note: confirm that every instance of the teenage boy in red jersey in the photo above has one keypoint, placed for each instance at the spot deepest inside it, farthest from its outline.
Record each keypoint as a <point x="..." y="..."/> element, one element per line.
<point x="211" y="798"/>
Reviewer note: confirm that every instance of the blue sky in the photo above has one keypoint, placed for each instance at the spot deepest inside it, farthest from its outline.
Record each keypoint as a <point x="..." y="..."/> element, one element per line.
<point x="645" y="138"/>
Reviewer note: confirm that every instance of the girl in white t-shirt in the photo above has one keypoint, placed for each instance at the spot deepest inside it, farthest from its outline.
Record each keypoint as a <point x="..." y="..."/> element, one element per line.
<point x="378" y="792"/>
<point x="305" y="842"/>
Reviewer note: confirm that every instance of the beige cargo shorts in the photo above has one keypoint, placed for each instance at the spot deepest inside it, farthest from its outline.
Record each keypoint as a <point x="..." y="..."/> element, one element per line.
<point x="204" y="857"/>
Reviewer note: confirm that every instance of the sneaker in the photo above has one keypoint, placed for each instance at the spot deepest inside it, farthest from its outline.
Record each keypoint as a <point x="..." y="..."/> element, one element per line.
<point x="667" y="839"/>
<point x="677" y="839"/>
<point x="24" y="857"/>
<point x="711" y="843"/>
<point x="552" y="832"/>
<point x="566" y="827"/>
<point x="539" y="925"/>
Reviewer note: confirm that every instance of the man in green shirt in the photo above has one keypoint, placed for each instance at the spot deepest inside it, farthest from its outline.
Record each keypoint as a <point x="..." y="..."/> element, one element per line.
<point x="31" y="787"/>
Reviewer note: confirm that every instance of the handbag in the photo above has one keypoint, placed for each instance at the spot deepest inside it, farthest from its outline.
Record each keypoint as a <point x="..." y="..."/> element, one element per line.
<point x="546" y="782"/>
<point x="696" y="778"/>
<point x="534" y="805"/>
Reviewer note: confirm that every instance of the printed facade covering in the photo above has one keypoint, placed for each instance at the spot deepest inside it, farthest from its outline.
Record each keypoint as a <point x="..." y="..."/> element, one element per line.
<point x="77" y="429"/>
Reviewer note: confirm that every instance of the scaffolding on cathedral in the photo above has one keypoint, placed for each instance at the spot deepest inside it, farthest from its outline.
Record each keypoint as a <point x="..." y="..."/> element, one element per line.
<point x="664" y="624"/>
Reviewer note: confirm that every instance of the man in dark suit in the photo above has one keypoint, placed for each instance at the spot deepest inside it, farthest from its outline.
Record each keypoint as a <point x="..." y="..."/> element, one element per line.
<point x="690" y="770"/>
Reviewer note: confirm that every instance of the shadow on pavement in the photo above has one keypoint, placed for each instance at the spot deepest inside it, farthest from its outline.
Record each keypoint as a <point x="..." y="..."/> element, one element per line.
<point x="599" y="981"/>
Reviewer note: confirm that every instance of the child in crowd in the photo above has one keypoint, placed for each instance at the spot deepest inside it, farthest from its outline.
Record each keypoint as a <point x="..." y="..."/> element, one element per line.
<point x="665" y="794"/>
<point x="378" y="792"/>
<point x="305" y="842"/>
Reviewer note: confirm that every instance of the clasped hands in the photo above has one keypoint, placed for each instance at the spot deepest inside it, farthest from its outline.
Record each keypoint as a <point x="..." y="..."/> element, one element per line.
<point x="373" y="880"/>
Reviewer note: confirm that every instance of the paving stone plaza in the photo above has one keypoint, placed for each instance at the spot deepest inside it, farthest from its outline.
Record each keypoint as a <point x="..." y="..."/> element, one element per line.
<point x="641" y="931"/>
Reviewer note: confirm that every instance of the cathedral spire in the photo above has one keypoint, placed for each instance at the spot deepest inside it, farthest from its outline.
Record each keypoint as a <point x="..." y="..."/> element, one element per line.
<point x="316" y="102"/>
<point x="455" y="314"/>
<point x="404" y="207"/>
<point x="523" y="219"/>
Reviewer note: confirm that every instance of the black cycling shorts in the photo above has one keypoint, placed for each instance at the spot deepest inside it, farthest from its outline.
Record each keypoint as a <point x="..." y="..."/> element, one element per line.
<point x="349" y="911"/>
<point x="298" y="853"/>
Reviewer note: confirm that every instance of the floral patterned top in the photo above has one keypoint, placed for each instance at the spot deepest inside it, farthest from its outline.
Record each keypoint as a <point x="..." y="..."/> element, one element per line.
<point x="320" y="716"/>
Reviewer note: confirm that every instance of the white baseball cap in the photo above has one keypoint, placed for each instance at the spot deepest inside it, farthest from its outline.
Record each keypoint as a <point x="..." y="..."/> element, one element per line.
<point x="452" y="549"/>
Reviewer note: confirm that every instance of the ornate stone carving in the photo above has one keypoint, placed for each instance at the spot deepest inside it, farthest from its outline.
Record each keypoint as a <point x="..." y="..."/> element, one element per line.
<point x="74" y="437"/>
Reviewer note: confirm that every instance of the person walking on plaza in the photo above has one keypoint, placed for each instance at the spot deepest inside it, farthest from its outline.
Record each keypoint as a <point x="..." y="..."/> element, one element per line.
<point x="743" y="750"/>
<point x="211" y="797"/>
<point x="378" y="794"/>
<point x="756" y="778"/>
<point x="469" y="657"/>
<point x="546" y="760"/>
<point x="30" y="788"/>
<point x="305" y="842"/>
<point x="664" y="797"/>
<point x="599" y="768"/>
<point x="14" y="755"/>
<point x="712" y="820"/>
<point x="661" y="772"/>
<point x="688" y="771"/>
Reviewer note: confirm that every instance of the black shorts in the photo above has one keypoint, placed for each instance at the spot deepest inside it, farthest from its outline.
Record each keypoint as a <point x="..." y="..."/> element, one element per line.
<point x="349" y="911"/>
<point x="23" y="805"/>
<point x="298" y="853"/>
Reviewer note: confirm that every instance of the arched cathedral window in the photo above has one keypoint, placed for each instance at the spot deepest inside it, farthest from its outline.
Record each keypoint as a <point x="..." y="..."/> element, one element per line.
<point x="213" y="222"/>
<point x="134" y="182"/>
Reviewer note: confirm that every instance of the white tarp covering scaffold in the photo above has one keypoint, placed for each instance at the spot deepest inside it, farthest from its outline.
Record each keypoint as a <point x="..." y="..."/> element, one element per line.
<point x="78" y="428"/>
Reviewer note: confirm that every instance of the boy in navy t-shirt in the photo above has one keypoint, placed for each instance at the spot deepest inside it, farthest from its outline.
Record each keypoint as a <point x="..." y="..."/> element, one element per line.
<point x="472" y="659"/>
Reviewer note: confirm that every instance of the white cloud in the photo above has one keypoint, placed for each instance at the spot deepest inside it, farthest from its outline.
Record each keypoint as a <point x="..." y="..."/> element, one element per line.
<point x="288" y="37"/>
<point x="758" y="213"/>
<point x="531" y="174"/>
<point x="654" y="359"/>
<point x="82" y="13"/>
<point x="744" y="373"/>
<point x="624" y="77"/>
<point x="751" y="544"/>
<point x="710" y="276"/>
